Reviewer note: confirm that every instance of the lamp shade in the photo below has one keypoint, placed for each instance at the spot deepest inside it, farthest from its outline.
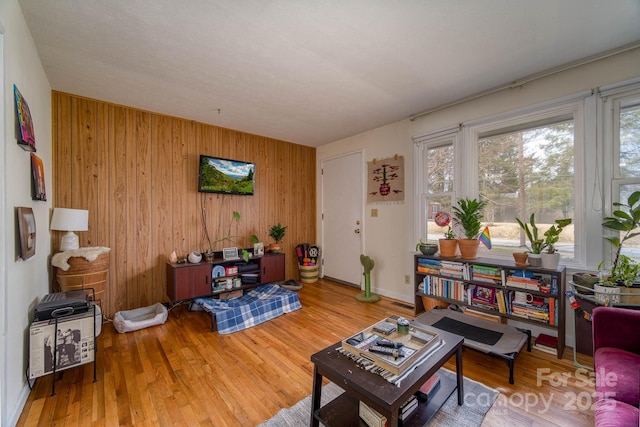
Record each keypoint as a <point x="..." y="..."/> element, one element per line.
<point x="69" y="220"/>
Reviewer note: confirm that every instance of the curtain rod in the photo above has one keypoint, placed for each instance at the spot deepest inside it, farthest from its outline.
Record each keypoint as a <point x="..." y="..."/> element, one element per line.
<point x="534" y="77"/>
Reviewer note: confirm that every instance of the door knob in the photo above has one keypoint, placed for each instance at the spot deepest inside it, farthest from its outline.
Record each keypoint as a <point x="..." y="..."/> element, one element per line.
<point x="357" y="231"/>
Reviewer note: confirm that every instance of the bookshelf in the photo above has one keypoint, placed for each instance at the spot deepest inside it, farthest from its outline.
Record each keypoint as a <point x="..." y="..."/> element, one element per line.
<point x="531" y="295"/>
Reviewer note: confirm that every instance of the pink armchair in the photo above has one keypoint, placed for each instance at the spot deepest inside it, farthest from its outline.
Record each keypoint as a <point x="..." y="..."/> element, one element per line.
<point x="616" y="359"/>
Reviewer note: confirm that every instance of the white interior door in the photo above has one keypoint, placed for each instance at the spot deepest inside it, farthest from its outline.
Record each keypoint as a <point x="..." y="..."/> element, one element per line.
<point x="342" y="205"/>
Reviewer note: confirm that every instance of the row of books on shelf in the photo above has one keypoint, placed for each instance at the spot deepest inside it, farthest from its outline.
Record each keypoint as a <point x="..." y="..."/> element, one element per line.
<point x="522" y="279"/>
<point x="373" y="418"/>
<point x="516" y="303"/>
<point x="442" y="287"/>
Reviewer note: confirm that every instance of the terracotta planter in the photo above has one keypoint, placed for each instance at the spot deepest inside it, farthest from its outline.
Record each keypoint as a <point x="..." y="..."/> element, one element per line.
<point x="520" y="258"/>
<point x="275" y="248"/>
<point x="469" y="248"/>
<point x="448" y="248"/>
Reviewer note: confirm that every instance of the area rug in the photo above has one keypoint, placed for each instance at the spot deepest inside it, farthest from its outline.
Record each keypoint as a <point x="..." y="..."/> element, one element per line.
<point x="478" y="399"/>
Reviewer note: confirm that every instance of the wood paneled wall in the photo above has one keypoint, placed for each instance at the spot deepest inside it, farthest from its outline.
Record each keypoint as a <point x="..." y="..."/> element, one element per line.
<point x="137" y="173"/>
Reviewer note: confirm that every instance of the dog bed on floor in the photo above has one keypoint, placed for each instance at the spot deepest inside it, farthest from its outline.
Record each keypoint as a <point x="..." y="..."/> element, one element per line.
<point x="258" y="305"/>
<point x="497" y="339"/>
<point x="292" y="285"/>
<point x="140" y="318"/>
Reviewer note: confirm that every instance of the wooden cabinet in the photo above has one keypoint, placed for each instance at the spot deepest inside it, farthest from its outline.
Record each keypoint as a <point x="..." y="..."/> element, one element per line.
<point x="188" y="281"/>
<point x="495" y="287"/>
<point x="185" y="281"/>
<point x="271" y="268"/>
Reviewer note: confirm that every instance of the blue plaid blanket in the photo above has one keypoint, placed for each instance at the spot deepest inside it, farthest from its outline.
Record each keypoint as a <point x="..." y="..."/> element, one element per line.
<point x="256" y="306"/>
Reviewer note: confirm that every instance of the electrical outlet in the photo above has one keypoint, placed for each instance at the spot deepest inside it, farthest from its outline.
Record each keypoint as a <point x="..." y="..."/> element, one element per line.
<point x="374" y="213"/>
<point x="407" y="279"/>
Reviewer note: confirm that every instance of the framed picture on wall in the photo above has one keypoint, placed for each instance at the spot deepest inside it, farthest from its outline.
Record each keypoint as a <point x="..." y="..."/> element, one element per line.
<point x="24" y="124"/>
<point x="258" y="249"/>
<point x="27" y="232"/>
<point x="38" y="189"/>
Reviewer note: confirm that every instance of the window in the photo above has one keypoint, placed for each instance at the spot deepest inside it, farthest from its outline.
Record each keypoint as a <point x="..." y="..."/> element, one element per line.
<point x="625" y="133"/>
<point x="435" y="183"/>
<point x="524" y="170"/>
<point x="521" y="163"/>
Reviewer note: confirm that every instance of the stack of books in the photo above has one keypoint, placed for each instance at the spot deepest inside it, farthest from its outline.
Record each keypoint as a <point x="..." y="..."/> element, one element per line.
<point x="428" y="266"/>
<point x="452" y="269"/>
<point x="546" y="343"/>
<point x="486" y="273"/>
<point x="408" y="408"/>
<point x="534" y="309"/>
<point x="429" y="388"/>
<point x="532" y="284"/>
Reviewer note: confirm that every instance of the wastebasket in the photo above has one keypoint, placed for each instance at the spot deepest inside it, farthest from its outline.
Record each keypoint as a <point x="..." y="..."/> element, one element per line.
<point x="308" y="273"/>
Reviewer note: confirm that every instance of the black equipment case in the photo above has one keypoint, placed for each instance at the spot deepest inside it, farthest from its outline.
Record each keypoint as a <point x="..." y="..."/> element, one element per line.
<point x="60" y="304"/>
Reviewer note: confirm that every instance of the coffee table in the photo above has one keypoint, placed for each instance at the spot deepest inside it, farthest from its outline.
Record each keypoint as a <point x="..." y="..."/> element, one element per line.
<point x="378" y="393"/>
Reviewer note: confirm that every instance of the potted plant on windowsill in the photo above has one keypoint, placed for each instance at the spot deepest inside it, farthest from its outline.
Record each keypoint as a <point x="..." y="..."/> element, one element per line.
<point x="448" y="244"/>
<point x="277" y="232"/>
<point x="624" y="270"/>
<point x="468" y="215"/>
<point x="551" y="257"/>
<point x="535" y="242"/>
<point x="426" y="248"/>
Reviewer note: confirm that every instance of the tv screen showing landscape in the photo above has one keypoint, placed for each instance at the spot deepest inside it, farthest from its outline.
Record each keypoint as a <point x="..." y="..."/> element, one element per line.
<point x="218" y="175"/>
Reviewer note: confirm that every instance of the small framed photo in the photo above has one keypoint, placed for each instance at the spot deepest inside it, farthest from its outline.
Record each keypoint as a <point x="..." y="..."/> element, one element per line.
<point x="38" y="189"/>
<point x="230" y="253"/>
<point x="258" y="249"/>
<point x="27" y="231"/>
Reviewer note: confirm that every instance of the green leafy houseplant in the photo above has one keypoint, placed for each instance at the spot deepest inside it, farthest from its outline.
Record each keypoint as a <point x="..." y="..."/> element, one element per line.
<point x="625" y="273"/>
<point x="277" y="232"/>
<point x="626" y="220"/>
<point x="468" y="215"/>
<point x="537" y="244"/>
<point x="235" y="217"/>
<point x="449" y="234"/>
<point x="552" y="235"/>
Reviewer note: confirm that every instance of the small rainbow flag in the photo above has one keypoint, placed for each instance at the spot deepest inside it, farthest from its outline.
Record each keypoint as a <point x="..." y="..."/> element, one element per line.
<point x="485" y="238"/>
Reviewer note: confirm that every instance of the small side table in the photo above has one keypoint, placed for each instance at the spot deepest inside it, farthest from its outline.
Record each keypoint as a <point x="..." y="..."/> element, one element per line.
<point x="61" y="343"/>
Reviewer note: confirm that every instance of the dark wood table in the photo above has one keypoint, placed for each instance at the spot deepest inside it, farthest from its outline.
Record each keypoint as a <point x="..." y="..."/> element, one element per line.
<point x="378" y="393"/>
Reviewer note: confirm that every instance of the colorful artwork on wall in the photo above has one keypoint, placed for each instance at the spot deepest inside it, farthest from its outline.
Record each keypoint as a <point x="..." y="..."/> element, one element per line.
<point x="385" y="180"/>
<point x="24" y="124"/>
<point x="38" y="189"/>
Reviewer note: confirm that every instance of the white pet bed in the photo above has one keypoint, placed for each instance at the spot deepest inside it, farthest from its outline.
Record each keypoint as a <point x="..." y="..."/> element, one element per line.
<point x="140" y="318"/>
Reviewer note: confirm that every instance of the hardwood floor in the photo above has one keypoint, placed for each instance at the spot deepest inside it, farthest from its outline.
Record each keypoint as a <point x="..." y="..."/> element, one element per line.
<point x="181" y="374"/>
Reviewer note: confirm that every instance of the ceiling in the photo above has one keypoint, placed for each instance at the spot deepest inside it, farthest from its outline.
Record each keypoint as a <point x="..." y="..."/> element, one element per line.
<point x="312" y="72"/>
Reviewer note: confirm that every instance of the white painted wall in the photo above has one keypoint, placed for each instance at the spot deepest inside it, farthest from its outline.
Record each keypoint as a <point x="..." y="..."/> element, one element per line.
<point x="389" y="238"/>
<point x="22" y="283"/>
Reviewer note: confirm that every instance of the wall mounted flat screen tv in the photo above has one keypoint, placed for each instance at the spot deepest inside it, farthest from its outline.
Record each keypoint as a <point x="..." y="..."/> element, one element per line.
<point x="218" y="175"/>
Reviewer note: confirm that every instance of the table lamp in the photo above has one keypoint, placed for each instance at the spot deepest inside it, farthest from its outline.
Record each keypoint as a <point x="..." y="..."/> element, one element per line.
<point x="69" y="220"/>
